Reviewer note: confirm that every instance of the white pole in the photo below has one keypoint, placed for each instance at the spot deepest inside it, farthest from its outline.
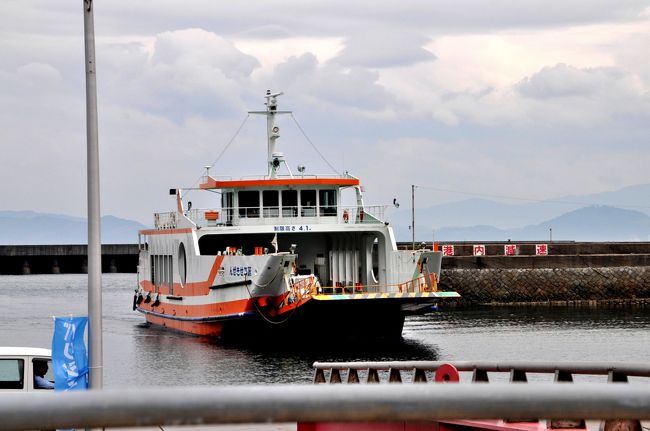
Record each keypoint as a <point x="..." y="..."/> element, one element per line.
<point x="413" y="216"/>
<point x="94" y="233"/>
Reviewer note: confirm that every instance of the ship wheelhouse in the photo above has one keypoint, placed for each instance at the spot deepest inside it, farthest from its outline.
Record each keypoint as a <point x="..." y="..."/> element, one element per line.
<point x="343" y="245"/>
<point x="275" y="201"/>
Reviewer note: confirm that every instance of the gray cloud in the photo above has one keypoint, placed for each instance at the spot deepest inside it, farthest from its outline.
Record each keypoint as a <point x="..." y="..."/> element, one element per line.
<point x="190" y="72"/>
<point x="347" y="88"/>
<point x="381" y="47"/>
<point x="344" y="18"/>
<point x="563" y="80"/>
<point x="173" y="88"/>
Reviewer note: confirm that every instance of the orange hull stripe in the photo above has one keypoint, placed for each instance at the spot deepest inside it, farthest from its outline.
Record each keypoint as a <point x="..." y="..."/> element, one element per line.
<point x="217" y="309"/>
<point x="212" y="183"/>
<point x="212" y="329"/>
<point x="200" y="288"/>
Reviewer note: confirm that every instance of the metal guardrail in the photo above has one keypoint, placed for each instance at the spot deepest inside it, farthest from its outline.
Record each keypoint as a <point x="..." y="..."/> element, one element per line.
<point x="416" y="371"/>
<point x="320" y="403"/>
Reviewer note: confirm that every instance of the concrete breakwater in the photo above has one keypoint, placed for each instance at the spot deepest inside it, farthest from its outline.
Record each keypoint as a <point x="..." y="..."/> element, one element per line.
<point x="570" y="272"/>
<point x="550" y="285"/>
<point x="65" y="259"/>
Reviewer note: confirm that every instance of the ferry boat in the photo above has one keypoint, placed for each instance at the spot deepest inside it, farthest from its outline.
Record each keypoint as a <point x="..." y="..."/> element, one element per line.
<point x="281" y="252"/>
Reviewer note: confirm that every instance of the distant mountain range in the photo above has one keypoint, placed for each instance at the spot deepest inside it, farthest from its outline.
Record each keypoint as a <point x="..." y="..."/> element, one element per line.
<point x="622" y="215"/>
<point x="585" y="224"/>
<point x="28" y="227"/>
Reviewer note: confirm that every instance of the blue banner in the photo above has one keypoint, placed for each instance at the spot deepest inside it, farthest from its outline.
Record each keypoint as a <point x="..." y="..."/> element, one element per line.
<point x="69" y="358"/>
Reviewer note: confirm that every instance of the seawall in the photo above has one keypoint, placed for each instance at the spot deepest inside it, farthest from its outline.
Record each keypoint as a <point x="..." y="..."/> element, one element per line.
<point x="571" y="273"/>
<point x="65" y="259"/>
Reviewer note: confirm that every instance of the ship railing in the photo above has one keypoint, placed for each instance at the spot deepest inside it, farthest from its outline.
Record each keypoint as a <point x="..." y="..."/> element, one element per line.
<point x="421" y="284"/>
<point x="303" y="287"/>
<point x="367" y="214"/>
<point x="165" y="220"/>
<point x="271" y="215"/>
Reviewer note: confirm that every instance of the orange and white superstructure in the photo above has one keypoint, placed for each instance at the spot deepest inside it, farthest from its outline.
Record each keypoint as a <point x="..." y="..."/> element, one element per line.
<point x="280" y="251"/>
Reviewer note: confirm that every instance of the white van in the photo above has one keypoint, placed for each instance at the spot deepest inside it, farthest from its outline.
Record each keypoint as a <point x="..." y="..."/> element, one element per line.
<point x="18" y="366"/>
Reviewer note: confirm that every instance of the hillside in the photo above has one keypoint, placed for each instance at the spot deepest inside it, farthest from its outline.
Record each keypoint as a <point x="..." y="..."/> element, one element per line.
<point x="594" y="223"/>
<point x="28" y="227"/>
<point x="501" y="218"/>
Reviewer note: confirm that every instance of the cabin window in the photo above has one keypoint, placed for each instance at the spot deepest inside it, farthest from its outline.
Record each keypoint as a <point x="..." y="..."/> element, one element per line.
<point x="271" y="203"/>
<point x="289" y="203"/>
<point x="11" y="374"/>
<point x="308" y="203"/>
<point x="227" y="206"/>
<point x="327" y="202"/>
<point x="249" y="204"/>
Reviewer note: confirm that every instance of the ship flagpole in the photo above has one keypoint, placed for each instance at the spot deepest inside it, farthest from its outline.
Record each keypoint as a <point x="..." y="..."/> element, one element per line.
<point x="94" y="221"/>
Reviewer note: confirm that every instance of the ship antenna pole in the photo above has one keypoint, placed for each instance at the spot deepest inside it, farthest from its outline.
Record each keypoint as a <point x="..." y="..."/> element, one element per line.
<point x="273" y="133"/>
<point x="94" y="233"/>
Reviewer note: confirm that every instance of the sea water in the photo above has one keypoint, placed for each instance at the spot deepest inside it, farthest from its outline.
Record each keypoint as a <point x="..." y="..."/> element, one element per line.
<point x="137" y="354"/>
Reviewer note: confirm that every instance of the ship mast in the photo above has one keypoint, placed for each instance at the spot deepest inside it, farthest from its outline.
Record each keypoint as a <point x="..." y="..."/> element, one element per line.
<point x="274" y="158"/>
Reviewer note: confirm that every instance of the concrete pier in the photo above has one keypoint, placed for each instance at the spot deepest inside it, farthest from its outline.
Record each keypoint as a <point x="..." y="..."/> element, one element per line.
<point x="65" y="259"/>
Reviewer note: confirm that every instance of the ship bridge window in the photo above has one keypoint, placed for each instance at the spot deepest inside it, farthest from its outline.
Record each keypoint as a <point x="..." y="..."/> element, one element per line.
<point x="271" y="203"/>
<point x="227" y="206"/>
<point x="327" y="202"/>
<point x="289" y="203"/>
<point x="308" y="203"/>
<point x="249" y="204"/>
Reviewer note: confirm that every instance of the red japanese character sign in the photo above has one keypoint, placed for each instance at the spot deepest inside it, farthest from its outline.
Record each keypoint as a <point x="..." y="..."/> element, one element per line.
<point x="510" y="249"/>
<point x="447" y="250"/>
<point x="541" y="249"/>
<point x="479" y="249"/>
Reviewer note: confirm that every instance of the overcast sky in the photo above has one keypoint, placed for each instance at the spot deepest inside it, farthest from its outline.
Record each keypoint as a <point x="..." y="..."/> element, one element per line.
<point x="526" y="98"/>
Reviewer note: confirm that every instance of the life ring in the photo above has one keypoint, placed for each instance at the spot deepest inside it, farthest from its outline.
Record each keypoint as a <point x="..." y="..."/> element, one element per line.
<point x="447" y="373"/>
<point x="346" y="216"/>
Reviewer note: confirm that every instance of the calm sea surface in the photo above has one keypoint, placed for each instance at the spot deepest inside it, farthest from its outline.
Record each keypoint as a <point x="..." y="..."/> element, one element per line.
<point x="136" y="354"/>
